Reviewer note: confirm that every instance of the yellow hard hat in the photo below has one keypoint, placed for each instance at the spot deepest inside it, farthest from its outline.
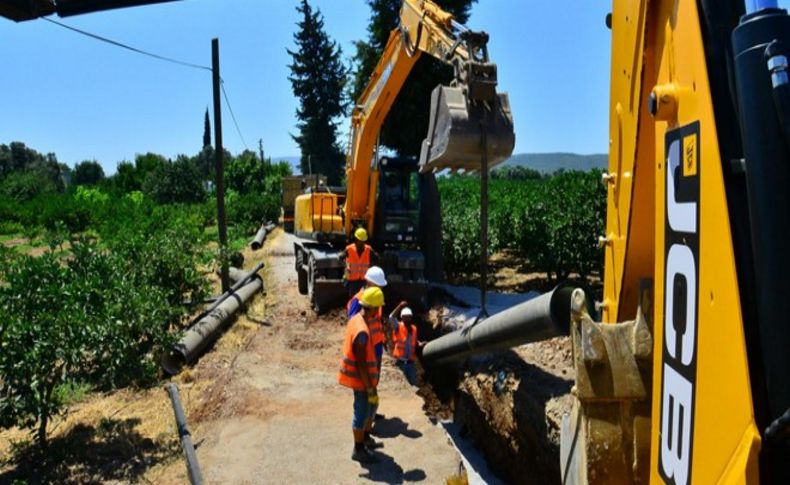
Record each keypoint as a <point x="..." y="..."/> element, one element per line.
<point x="361" y="234"/>
<point x="372" y="297"/>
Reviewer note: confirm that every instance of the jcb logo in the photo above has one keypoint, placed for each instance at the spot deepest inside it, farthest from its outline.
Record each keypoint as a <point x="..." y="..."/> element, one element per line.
<point x="681" y="291"/>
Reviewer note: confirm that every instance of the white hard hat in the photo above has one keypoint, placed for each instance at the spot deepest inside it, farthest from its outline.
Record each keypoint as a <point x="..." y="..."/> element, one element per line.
<point x="375" y="275"/>
<point x="406" y="312"/>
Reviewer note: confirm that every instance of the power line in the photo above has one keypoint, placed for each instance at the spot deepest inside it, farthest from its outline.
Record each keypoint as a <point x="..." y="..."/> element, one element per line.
<point x="128" y="47"/>
<point x="232" y="116"/>
<point x="158" y="57"/>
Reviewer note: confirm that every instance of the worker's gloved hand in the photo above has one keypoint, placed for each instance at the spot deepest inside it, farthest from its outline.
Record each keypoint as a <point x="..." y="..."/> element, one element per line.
<point x="373" y="397"/>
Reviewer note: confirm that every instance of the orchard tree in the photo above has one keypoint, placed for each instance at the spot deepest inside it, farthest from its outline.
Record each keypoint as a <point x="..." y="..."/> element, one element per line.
<point x="89" y="172"/>
<point x="407" y="122"/>
<point x="318" y="79"/>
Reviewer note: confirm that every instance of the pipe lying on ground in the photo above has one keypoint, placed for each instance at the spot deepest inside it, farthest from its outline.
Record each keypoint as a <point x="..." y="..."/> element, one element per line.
<point x="234" y="274"/>
<point x="260" y="236"/>
<point x="210" y="323"/>
<point x="540" y="318"/>
<point x="239" y="282"/>
<point x="193" y="469"/>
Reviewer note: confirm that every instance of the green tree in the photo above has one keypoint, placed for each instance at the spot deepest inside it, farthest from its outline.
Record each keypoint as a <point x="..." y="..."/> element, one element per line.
<point x="407" y="122"/>
<point x="246" y="173"/>
<point x="206" y="131"/>
<point x="318" y="79"/>
<point x="173" y="182"/>
<point x="89" y="172"/>
<point x="25" y="185"/>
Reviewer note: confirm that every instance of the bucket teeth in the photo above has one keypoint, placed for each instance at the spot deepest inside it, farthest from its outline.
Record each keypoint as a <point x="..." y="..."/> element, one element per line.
<point x="454" y="138"/>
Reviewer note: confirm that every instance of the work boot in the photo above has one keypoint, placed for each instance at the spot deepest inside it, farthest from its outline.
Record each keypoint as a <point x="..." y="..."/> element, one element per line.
<point x="372" y="444"/>
<point x="363" y="455"/>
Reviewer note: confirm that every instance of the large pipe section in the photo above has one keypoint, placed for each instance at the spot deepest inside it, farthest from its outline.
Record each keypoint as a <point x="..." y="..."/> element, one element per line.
<point x="193" y="469"/>
<point x="540" y="318"/>
<point x="239" y="282"/>
<point x="210" y="323"/>
<point x="260" y="236"/>
<point x="234" y="274"/>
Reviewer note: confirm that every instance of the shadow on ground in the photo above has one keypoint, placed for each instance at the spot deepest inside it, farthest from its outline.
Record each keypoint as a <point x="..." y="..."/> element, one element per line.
<point x="111" y="451"/>
<point x="387" y="470"/>
<point x="392" y="427"/>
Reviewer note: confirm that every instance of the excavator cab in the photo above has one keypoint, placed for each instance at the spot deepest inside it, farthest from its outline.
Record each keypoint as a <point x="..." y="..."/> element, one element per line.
<point x="398" y="202"/>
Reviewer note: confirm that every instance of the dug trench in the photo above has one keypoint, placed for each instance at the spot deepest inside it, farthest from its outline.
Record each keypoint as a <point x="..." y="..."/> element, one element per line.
<point x="509" y="404"/>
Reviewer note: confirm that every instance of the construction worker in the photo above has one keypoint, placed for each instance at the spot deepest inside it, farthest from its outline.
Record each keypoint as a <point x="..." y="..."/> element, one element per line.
<point x="404" y="341"/>
<point x="374" y="276"/>
<point x="358" y="257"/>
<point x="358" y="370"/>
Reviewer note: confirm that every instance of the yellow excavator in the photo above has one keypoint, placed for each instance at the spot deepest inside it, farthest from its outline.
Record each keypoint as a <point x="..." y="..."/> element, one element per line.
<point x="684" y="377"/>
<point x="388" y="196"/>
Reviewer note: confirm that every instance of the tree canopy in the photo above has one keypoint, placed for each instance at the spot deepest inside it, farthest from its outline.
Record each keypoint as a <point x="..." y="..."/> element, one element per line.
<point x="318" y="80"/>
<point x="89" y="172"/>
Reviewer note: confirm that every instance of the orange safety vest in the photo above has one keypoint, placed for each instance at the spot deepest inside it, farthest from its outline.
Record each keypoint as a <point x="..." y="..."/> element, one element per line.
<point x="356" y="264"/>
<point x="349" y="374"/>
<point x="405" y="340"/>
<point x="376" y="329"/>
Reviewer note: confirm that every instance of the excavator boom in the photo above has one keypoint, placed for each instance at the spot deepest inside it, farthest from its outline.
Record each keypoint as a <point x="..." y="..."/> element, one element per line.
<point x="456" y="112"/>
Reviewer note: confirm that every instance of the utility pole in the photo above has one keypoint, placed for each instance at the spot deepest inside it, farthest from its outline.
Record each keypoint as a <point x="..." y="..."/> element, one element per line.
<point x="218" y="164"/>
<point x="260" y="149"/>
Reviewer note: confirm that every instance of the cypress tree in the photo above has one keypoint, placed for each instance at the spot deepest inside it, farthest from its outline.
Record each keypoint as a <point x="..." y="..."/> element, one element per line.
<point x="407" y="122"/>
<point x="318" y="79"/>
<point x="206" y="131"/>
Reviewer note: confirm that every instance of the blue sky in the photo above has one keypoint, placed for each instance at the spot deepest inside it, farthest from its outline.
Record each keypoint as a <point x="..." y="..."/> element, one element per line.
<point x="82" y="99"/>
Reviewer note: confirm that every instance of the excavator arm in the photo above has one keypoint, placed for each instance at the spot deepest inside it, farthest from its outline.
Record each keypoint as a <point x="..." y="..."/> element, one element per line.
<point x="426" y="28"/>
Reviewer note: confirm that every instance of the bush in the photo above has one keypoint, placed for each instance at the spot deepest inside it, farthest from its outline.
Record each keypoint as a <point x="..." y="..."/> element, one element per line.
<point x="176" y="182"/>
<point x="100" y="317"/>
<point x="551" y="223"/>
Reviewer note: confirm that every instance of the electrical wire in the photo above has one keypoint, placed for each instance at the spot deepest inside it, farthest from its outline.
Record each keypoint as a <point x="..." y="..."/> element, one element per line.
<point x="128" y="47"/>
<point x="232" y="116"/>
<point x="158" y="57"/>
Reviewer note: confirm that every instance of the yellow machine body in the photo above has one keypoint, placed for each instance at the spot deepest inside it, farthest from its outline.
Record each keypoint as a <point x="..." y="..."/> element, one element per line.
<point x="317" y="212"/>
<point x="667" y="222"/>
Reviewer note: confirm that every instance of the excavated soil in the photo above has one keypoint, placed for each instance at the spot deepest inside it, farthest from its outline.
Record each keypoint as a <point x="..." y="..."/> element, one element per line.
<point x="510" y="404"/>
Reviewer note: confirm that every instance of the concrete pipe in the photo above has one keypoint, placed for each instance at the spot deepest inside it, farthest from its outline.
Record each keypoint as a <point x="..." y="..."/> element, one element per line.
<point x="239" y="282"/>
<point x="208" y="327"/>
<point x="260" y="236"/>
<point x="541" y="318"/>
<point x="234" y="274"/>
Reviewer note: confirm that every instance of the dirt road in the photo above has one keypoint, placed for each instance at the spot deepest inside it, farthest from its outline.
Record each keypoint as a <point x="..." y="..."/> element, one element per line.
<point x="276" y="414"/>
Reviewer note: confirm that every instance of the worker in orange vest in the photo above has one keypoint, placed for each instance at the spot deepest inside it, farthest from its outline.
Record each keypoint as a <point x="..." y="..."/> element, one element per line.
<point x="404" y="341"/>
<point x="358" y="257"/>
<point x="359" y="371"/>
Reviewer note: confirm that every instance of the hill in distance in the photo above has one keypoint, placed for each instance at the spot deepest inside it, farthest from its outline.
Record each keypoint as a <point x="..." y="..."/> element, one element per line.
<point x="542" y="162"/>
<point x="551" y="162"/>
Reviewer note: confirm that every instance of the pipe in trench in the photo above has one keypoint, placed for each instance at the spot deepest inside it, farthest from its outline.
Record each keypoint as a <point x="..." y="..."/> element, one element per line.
<point x="208" y="327"/>
<point x="193" y="468"/>
<point x="540" y="318"/>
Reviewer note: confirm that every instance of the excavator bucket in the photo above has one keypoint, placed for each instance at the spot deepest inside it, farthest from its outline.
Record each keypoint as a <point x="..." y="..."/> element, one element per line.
<point x="455" y="131"/>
